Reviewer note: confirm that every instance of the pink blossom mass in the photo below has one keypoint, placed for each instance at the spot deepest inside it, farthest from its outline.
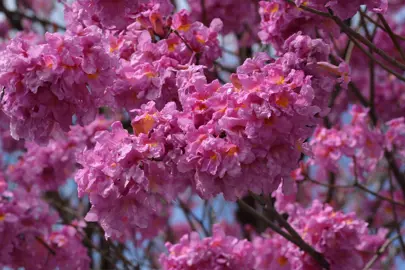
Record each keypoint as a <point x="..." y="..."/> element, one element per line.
<point x="202" y="134"/>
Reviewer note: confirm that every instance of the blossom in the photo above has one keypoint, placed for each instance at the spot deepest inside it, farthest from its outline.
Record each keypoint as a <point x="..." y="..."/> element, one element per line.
<point x="46" y="166"/>
<point x="395" y="136"/>
<point x="68" y="248"/>
<point x="281" y="19"/>
<point x="49" y="166"/>
<point x="385" y="211"/>
<point x="46" y="84"/>
<point x="201" y="40"/>
<point x="25" y="221"/>
<point x="341" y="238"/>
<point x="133" y="174"/>
<point x="217" y="252"/>
<point x="249" y="134"/>
<point x="148" y="72"/>
<point x="112" y="15"/>
<point x="235" y="15"/>
<point x="364" y="145"/>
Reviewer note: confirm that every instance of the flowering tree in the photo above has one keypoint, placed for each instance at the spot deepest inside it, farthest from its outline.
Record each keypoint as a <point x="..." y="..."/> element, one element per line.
<point x="234" y="135"/>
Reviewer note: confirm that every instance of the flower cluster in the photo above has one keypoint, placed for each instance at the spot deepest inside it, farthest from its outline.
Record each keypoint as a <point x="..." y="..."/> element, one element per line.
<point x="342" y="239"/>
<point x="26" y="234"/>
<point x="148" y="73"/>
<point x="232" y="138"/>
<point x="50" y="165"/>
<point x="395" y="137"/>
<point x="68" y="248"/>
<point x="249" y="134"/>
<point x="280" y="19"/>
<point x="364" y="145"/>
<point x="114" y="15"/>
<point x="130" y="178"/>
<point x="46" y="166"/>
<point x="74" y="74"/>
<point x="237" y="16"/>
<point x="219" y="252"/>
<point x="47" y="84"/>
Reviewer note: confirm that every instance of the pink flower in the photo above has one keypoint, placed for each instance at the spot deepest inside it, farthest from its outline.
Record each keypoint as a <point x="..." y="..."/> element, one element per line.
<point x="46" y="84"/>
<point x="235" y="14"/>
<point x="217" y="252"/>
<point x="342" y="238"/>
<point x="137" y="171"/>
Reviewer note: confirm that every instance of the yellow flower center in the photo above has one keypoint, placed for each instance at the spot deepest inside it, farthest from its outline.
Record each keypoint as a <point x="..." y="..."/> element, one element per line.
<point x="282" y="101"/>
<point x="184" y="27"/>
<point x="232" y="151"/>
<point x="280" y="80"/>
<point x="144" y="125"/>
<point x="93" y="76"/>
<point x="282" y="261"/>
<point x="150" y="74"/>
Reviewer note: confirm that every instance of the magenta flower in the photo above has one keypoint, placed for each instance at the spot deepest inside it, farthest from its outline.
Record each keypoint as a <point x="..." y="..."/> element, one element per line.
<point x="342" y="238"/>
<point x="220" y="252"/>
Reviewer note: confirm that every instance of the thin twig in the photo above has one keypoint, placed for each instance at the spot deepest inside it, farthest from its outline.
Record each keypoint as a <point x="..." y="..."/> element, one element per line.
<point x="331" y="189"/>
<point x="365" y="41"/>
<point x="358" y="94"/>
<point x="395" y="169"/>
<point x="394" y="213"/>
<point x="15" y="18"/>
<point x="189" y="221"/>
<point x="188" y="213"/>
<point x="392" y="36"/>
<point x="225" y="68"/>
<point x="40" y="240"/>
<point x="194" y="53"/>
<point x="203" y="12"/>
<point x="360" y="186"/>
<point x="184" y="41"/>
<point x="380" y="252"/>
<point x="376" y="23"/>
<point x="270" y="224"/>
<point x="385" y="67"/>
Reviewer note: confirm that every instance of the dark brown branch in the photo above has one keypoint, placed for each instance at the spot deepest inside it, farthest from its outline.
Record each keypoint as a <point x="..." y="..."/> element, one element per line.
<point x="385" y="67"/>
<point x="354" y="35"/>
<point x="395" y="170"/>
<point x="376" y="23"/>
<point x="188" y="213"/>
<point x="203" y="12"/>
<point x="392" y="36"/>
<point x="395" y="215"/>
<point x="296" y="239"/>
<point x="15" y="18"/>
<point x="40" y="240"/>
